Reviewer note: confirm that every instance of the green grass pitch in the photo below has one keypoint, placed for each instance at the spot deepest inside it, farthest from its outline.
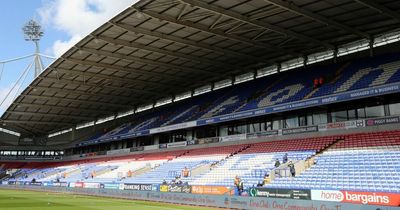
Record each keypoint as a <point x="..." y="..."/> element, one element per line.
<point x="31" y="200"/>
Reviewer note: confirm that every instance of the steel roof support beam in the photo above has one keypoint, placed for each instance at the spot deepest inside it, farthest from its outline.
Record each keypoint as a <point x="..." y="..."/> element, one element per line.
<point x="78" y="92"/>
<point x="214" y="49"/>
<point x="65" y="108"/>
<point x="144" y="61"/>
<point x="219" y="33"/>
<point x="132" y="90"/>
<point x="125" y="69"/>
<point x="51" y="115"/>
<point x="52" y="98"/>
<point x="26" y="129"/>
<point x="380" y="8"/>
<point x="108" y="77"/>
<point x="35" y="122"/>
<point x="254" y="22"/>
<point x="300" y="11"/>
<point x="140" y="46"/>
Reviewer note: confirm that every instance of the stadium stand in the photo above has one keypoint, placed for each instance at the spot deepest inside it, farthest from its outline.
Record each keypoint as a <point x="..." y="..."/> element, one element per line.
<point x="362" y="162"/>
<point x="342" y="77"/>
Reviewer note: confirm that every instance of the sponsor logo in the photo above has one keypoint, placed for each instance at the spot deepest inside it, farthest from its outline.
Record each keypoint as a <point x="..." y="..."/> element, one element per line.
<point x="233" y="137"/>
<point x="162" y="146"/>
<point x="91" y="185"/>
<point x="191" y="142"/>
<point x="382" y="121"/>
<point x="370" y="198"/>
<point x="164" y="188"/>
<point x="300" y="130"/>
<point x="280" y="193"/>
<point x="138" y="187"/>
<point x="212" y="190"/>
<point x="366" y="198"/>
<point x="327" y="195"/>
<point x="177" y="144"/>
<point x="262" y="134"/>
<point x="175" y="188"/>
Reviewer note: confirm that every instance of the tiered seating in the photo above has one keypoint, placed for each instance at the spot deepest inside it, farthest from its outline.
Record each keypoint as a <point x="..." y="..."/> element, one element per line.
<point x="298" y="86"/>
<point x="371" y="140"/>
<point x="358" y="162"/>
<point x="384" y="69"/>
<point x="255" y="161"/>
<point x="192" y="159"/>
<point x="316" y="144"/>
<point x="361" y="162"/>
<point x="359" y="170"/>
<point x="250" y="167"/>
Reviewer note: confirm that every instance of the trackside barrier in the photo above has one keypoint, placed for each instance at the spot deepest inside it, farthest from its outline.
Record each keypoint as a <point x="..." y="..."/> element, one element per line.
<point x="337" y="196"/>
<point x="256" y="203"/>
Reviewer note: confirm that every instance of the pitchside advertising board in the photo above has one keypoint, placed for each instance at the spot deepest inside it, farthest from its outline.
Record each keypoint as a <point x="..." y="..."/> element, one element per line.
<point x="176" y="188"/>
<point x="280" y="193"/>
<point x="222" y="201"/>
<point x="138" y="187"/>
<point x="340" y="196"/>
<point x="371" y="198"/>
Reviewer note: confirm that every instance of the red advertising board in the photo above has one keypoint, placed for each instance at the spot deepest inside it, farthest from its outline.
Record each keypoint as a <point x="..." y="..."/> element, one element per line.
<point x="371" y="198"/>
<point x="78" y="185"/>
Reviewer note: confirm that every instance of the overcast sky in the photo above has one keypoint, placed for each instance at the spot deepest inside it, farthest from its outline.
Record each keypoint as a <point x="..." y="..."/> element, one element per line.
<point x="65" y="22"/>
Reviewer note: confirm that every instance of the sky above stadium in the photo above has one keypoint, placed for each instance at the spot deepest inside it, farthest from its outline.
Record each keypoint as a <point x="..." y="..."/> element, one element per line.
<point x="65" y="22"/>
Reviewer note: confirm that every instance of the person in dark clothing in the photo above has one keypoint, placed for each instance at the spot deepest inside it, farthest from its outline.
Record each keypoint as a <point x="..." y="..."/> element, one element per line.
<point x="285" y="158"/>
<point x="277" y="163"/>
<point x="292" y="169"/>
<point x="240" y="186"/>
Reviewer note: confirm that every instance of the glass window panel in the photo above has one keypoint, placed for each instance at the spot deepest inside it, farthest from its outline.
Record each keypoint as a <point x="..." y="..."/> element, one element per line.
<point x="292" y="122"/>
<point x="339" y="116"/>
<point x="303" y="120"/>
<point x="277" y="124"/>
<point x="320" y="118"/>
<point x="361" y="113"/>
<point x="394" y="109"/>
<point x="352" y="114"/>
<point x="375" y="111"/>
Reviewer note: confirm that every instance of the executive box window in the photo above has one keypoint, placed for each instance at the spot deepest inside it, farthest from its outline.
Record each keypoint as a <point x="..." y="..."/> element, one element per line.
<point x="339" y="116"/>
<point x="236" y="129"/>
<point x="320" y="118"/>
<point x="292" y="122"/>
<point x="277" y="124"/>
<point x="361" y="113"/>
<point x="375" y="111"/>
<point x="266" y="126"/>
<point x="254" y="127"/>
<point x="394" y="109"/>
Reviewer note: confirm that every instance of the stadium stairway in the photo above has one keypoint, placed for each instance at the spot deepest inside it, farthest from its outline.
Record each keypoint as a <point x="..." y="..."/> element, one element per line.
<point x="307" y="164"/>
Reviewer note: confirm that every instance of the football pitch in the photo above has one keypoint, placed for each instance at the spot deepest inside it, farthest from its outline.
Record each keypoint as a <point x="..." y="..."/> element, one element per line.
<point x="31" y="200"/>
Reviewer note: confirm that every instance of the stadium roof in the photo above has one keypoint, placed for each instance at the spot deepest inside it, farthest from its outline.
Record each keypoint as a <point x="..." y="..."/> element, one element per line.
<point x="159" y="48"/>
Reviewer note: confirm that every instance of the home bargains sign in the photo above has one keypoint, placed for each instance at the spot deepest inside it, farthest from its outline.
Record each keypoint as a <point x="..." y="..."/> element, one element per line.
<point x="370" y="198"/>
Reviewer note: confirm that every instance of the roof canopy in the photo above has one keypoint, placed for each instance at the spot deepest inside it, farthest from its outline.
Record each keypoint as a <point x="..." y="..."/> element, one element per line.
<point x="159" y="48"/>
